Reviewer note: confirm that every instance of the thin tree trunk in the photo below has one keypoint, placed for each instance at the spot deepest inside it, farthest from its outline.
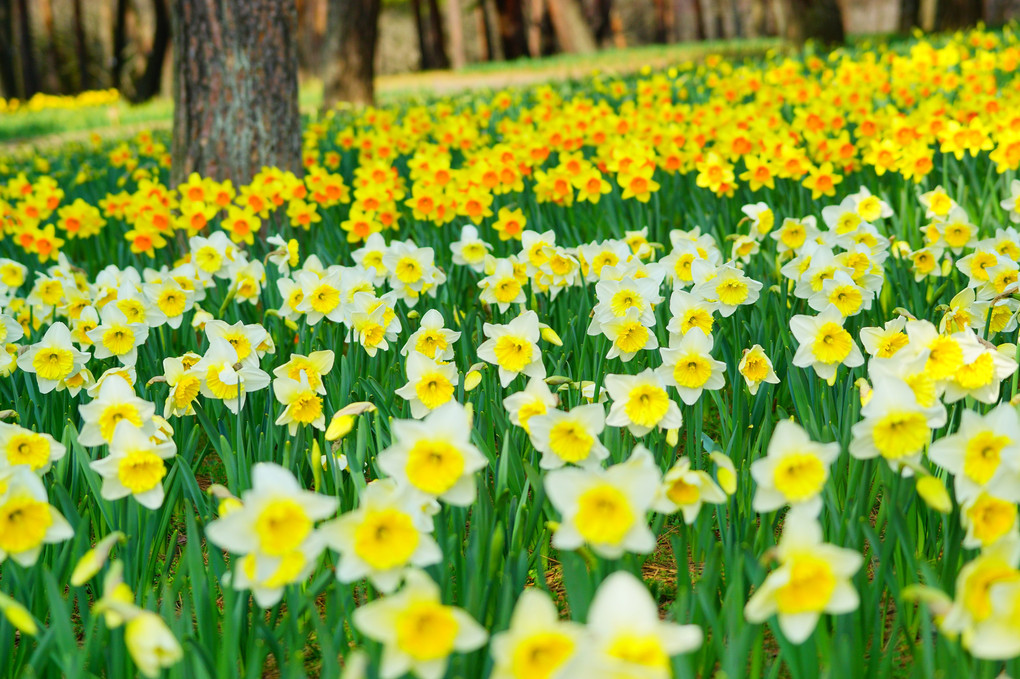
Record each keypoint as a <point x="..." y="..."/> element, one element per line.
<point x="29" y="80"/>
<point x="511" y="28"/>
<point x="819" y="20"/>
<point x="235" y="89"/>
<point x="351" y="36"/>
<point x="436" y="37"/>
<point x="756" y="19"/>
<point x="80" y="48"/>
<point x="572" y="31"/>
<point x="8" y="76"/>
<point x="495" y="45"/>
<point x="425" y="54"/>
<point x="54" y="76"/>
<point x="455" y="22"/>
<point x="537" y="12"/>
<point x="954" y="14"/>
<point x="910" y="15"/>
<point x="151" y="80"/>
<point x="660" y="34"/>
<point x="119" y="42"/>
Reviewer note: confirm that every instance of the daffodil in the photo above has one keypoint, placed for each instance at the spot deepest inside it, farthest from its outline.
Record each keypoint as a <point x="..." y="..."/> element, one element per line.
<point x="53" y="358"/>
<point x="302" y="404"/>
<point x="794" y="471"/>
<point x="535" y="399"/>
<point x="687" y="364"/>
<point x="430" y="384"/>
<point x="435" y="455"/>
<point x="115" y="402"/>
<point x="625" y="635"/>
<point x="894" y="425"/>
<point x="756" y="368"/>
<point x="984" y="451"/>
<point x="686" y="490"/>
<point x="605" y="508"/>
<point x="417" y="631"/>
<point x="27" y="520"/>
<point x="226" y="378"/>
<point x="823" y="343"/>
<point x="569" y="437"/>
<point x="432" y="338"/>
<point x="537" y="643"/>
<point x="388" y="533"/>
<point x="641" y="403"/>
<point x="513" y="348"/>
<point x="813" y="577"/>
<point x="135" y="466"/>
<point x="273" y="532"/>
<point x="20" y="446"/>
<point x="315" y="366"/>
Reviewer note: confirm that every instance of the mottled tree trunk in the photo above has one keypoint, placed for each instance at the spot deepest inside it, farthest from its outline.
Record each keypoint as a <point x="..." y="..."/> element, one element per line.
<point x="819" y="20"/>
<point x="351" y="35"/>
<point x="235" y="88"/>
<point x="151" y="80"/>
<point x="436" y="38"/>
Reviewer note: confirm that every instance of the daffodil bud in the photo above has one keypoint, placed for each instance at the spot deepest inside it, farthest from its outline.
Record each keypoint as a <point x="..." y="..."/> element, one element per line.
<point x="18" y="616"/>
<point x="339" y="427"/>
<point x="726" y="472"/>
<point x="550" y="336"/>
<point x="472" y="380"/>
<point x="151" y="643"/>
<point x="934" y="493"/>
<point x="94" y="559"/>
<point x="672" y="437"/>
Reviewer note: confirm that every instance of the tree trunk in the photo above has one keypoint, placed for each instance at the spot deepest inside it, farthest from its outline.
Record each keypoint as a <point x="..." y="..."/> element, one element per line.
<point x="151" y="80"/>
<point x="29" y="80"/>
<point x="819" y="20"/>
<point x="80" y="49"/>
<point x="910" y="15"/>
<point x="119" y="42"/>
<point x="954" y="14"/>
<point x="572" y="31"/>
<point x="436" y="38"/>
<point x="8" y="76"/>
<point x="455" y="22"/>
<point x="235" y="89"/>
<point x="511" y="28"/>
<point x="756" y="19"/>
<point x="351" y="35"/>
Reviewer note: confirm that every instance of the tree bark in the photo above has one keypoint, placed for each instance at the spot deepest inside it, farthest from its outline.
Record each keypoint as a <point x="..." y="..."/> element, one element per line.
<point x="29" y="80"/>
<point x="572" y="30"/>
<point x="954" y="14"/>
<point x="455" y="22"/>
<point x="8" y="76"/>
<point x="235" y="89"/>
<point x="80" y="48"/>
<point x="351" y="36"/>
<point x="819" y="20"/>
<point x="119" y="42"/>
<point x="150" y="82"/>
<point x="511" y="28"/>
<point x="910" y="15"/>
<point x="436" y="38"/>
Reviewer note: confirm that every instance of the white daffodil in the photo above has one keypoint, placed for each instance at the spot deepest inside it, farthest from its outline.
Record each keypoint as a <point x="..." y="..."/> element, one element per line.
<point x="116" y="401"/>
<point x="756" y="369"/>
<point x="513" y="348"/>
<point x="641" y="404"/>
<point x="432" y="338"/>
<point x="538" y="643"/>
<point x="794" y="470"/>
<point x="984" y="451"/>
<point x="388" y="533"/>
<point x="430" y="384"/>
<point x="893" y="425"/>
<point x="605" y="508"/>
<point x="274" y="530"/>
<point x="687" y="364"/>
<point x="418" y="632"/>
<point x="435" y="455"/>
<point x="626" y="637"/>
<point x="134" y="466"/>
<point x="535" y="399"/>
<point x="823" y="344"/>
<point x="27" y="520"/>
<point x="226" y="377"/>
<point x="685" y="490"/>
<point x="20" y="446"/>
<point x="53" y="358"/>
<point x="813" y="578"/>
<point x="569" y="437"/>
<point x="302" y="404"/>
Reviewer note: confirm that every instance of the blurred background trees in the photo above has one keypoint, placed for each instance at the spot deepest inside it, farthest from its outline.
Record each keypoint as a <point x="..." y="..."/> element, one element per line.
<point x="67" y="46"/>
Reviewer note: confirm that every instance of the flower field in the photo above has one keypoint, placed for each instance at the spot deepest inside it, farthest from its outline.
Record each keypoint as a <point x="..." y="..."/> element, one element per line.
<point x="709" y="372"/>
